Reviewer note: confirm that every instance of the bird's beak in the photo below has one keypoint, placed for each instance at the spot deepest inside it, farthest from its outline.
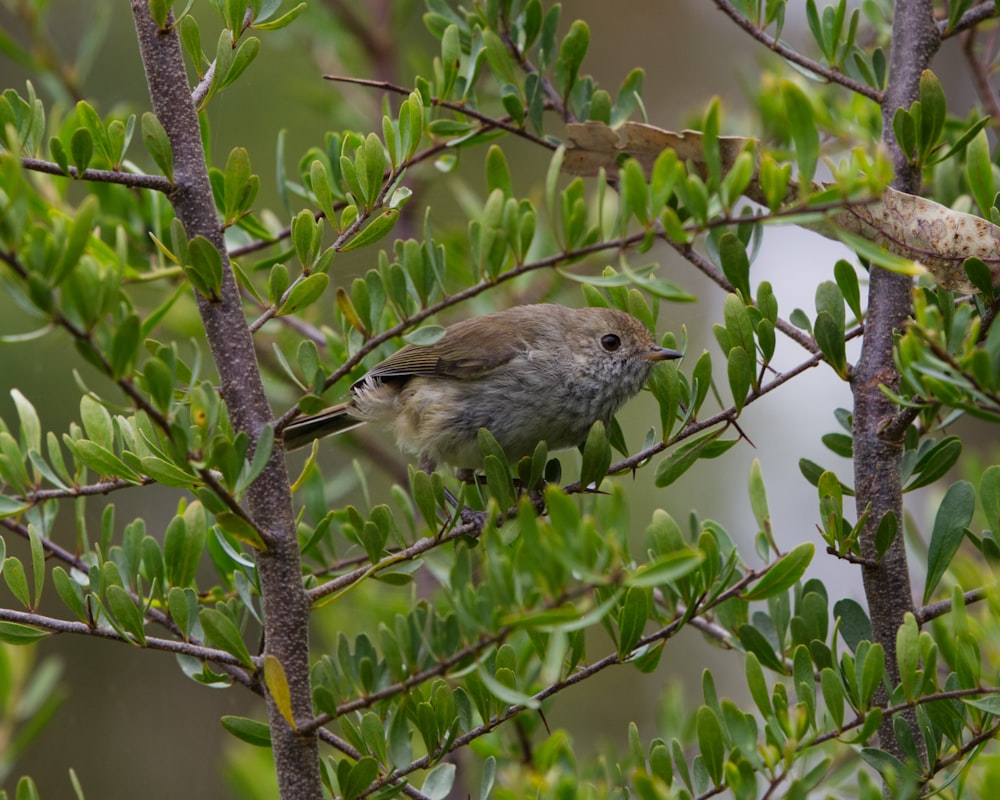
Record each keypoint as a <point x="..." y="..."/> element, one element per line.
<point x="656" y="353"/>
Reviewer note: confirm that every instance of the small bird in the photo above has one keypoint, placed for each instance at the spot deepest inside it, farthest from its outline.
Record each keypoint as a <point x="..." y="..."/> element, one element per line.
<point x="526" y="374"/>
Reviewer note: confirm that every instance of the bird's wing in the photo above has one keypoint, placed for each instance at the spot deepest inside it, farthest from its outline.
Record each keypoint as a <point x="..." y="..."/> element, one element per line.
<point x="450" y="356"/>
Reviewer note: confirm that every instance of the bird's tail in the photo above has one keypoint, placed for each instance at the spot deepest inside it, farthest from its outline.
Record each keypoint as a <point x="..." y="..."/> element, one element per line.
<point x="334" y="420"/>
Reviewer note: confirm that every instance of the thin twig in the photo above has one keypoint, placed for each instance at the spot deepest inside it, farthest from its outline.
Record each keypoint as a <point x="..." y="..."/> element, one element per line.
<point x="503" y="124"/>
<point x="53" y="625"/>
<point x="969" y="19"/>
<point x="979" y="71"/>
<point x="787" y="53"/>
<point x="708" y="269"/>
<point x="133" y="180"/>
<point x="200" y="91"/>
<point x="942" y="607"/>
<point x="87" y="490"/>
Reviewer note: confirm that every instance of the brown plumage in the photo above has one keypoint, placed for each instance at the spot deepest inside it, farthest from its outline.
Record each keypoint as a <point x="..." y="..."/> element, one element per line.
<point x="526" y="374"/>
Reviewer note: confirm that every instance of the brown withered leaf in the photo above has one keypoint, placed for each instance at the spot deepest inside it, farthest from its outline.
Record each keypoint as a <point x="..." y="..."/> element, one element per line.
<point x="912" y="227"/>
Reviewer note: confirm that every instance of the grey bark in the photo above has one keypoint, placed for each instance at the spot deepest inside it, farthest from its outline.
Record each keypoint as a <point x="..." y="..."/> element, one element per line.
<point x="877" y="458"/>
<point x="269" y="498"/>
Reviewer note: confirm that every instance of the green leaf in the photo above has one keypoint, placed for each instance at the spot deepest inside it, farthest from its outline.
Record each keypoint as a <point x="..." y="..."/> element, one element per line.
<point x="908" y="656"/>
<point x="359" y="777"/>
<point x="305" y="292"/>
<point x="248" y="730"/>
<point x="242" y="58"/>
<point x="221" y="631"/>
<point x="735" y="264"/>
<point x="425" y="335"/>
<point x="374" y="163"/>
<point x="183" y="607"/>
<point x="572" y="51"/>
<point x="497" y="171"/>
<point x="158" y="144"/>
<point x="635" y="193"/>
<point x="81" y="148"/>
<point x="70" y="592"/>
<point x="167" y="473"/>
<point x="888" y="765"/>
<point x="37" y="562"/>
<point x="804" y="131"/>
<point x="439" y="782"/>
<point x="905" y="130"/>
<point x="261" y="455"/>
<point x="16" y="633"/>
<point x="757" y="684"/>
<point x="933" y="112"/>
<point x="830" y="338"/>
<point x="204" y="268"/>
<point x="182" y="547"/>
<point x="758" y="497"/>
<point x="126" y="612"/>
<point x="740" y="368"/>
<point x="935" y="463"/>
<point x="239" y="185"/>
<point x="711" y="743"/>
<point x="872" y="672"/>
<point x="681" y="460"/>
<point x="238" y="526"/>
<point x="78" y="237"/>
<point x="279" y="22"/>
<point x="125" y="347"/>
<point x="855" y="626"/>
<point x="879" y="255"/>
<point x="596" y="456"/>
<point x="847" y="280"/>
<point x="783" y="574"/>
<point x="979" y="173"/>
<point x="953" y="516"/>
<point x="833" y="695"/>
<point x="886" y="532"/>
<point x="58" y="151"/>
<point x="738" y="323"/>
<point x="666" y="568"/>
<point x="421" y="486"/>
<point x="17" y="580"/>
<point x="376" y="229"/>
<point x="755" y="642"/>
<point x="507" y="694"/>
<point x="635" y="610"/>
<point x="31" y="428"/>
<point x="980" y="276"/>
<point x="989" y="704"/>
<point x="306" y="237"/>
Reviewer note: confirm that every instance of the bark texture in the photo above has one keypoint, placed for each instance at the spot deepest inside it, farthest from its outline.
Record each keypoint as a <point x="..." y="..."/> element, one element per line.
<point x="269" y="498"/>
<point x="877" y="458"/>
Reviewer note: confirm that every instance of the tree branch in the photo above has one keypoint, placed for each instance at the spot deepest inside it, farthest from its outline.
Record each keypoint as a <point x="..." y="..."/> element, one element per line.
<point x="787" y="53"/>
<point x="877" y="459"/>
<point x="493" y="122"/>
<point x="286" y="622"/>
<point x="87" y="490"/>
<point x="969" y="19"/>
<point x="939" y="609"/>
<point x="156" y="183"/>
<point x="53" y="625"/>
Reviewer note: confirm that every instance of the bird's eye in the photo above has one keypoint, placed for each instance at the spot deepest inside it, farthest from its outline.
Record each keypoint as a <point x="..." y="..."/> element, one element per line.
<point x="610" y="342"/>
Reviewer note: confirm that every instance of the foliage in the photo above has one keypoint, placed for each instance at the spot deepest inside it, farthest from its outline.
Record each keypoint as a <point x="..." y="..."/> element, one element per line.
<point x="484" y="614"/>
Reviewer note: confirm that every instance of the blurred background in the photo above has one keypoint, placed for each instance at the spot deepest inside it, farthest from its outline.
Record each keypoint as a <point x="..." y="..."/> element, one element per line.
<point x="132" y="724"/>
